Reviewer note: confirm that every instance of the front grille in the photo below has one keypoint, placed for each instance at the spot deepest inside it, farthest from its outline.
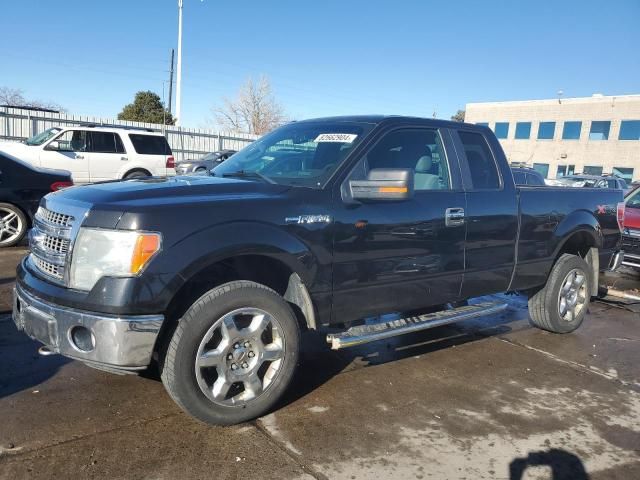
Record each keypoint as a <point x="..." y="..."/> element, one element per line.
<point x="55" y="218"/>
<point x="631" y="244"/>
<point x="47" y="268"/>
<point x="50" y="241"/>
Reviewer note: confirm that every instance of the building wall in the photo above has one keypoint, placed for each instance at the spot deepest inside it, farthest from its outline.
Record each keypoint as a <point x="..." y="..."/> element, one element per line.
<point x="580" y="153"/>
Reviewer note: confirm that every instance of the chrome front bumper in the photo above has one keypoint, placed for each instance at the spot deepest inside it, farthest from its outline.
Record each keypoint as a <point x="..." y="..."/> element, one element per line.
<point x="119" y="342"/>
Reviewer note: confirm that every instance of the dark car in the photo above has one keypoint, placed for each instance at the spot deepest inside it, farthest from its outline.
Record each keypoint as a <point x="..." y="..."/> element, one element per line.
<point x="324" y="224"/>
<point x="527" y="176"/>
<point x="204" y="164"/>
<point x="21" y="188"/>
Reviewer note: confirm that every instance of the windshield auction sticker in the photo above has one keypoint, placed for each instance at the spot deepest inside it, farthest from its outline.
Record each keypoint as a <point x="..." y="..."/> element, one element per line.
<point x="336" y="137"/>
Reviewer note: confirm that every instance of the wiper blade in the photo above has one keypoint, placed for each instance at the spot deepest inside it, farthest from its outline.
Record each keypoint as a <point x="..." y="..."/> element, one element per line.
<point x="249" y="174"/>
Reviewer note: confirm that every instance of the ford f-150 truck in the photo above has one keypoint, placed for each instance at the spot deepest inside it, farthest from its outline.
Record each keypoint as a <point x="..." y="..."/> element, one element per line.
<point x="318" y="225"/>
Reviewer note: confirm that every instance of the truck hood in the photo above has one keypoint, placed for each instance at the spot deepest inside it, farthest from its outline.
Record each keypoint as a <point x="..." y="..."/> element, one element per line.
<point x="120" y="195"/>
<point x="18" y="150"/>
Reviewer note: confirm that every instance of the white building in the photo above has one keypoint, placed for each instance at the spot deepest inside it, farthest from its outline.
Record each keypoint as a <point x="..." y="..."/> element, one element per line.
<point x="594" y="135"/>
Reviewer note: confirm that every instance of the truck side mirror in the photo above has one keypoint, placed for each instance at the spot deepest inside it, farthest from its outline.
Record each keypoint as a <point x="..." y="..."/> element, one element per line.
<point x="384" y="184"/>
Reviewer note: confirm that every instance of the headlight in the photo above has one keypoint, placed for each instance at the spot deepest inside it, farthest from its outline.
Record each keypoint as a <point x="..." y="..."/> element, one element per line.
<point x="99" y="253"/>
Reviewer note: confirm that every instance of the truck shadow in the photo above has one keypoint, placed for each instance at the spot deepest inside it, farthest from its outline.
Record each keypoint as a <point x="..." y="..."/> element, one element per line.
<point x="22" y="367"/>
<point x="564" y="465"/>
<point x="319" y="363"/>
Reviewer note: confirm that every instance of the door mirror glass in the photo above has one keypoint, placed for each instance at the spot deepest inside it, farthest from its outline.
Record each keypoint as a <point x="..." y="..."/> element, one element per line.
<point x="55" y="145"/>
<point x="384" y="184"/>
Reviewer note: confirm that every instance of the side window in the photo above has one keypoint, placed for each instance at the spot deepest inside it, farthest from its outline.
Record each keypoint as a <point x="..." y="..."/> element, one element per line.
<point x="150" y="144"/>
<point x="71" y="141"/>
<point x="483" y="169"/>
<point x="106" y="142"/>
<point x="420" y="150"/>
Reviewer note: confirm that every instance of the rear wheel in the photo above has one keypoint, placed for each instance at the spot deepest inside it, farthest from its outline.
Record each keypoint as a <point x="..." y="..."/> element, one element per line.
<point x="137" y="174"/>
<point x="562" y="304"/>
<point x="233" y="353"/>
<point x="13" y="225"/>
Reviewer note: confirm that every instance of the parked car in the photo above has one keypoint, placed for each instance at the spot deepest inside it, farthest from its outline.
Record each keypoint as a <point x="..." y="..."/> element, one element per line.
<point x="527" y="176"/>
<point x="317" y="225"/>
<point x="21" y="187"/>
<point x="631" y="232"/>
<point x="596" y="181"/>
<point x="204" y="164"/>
<point x="93" y="154"/>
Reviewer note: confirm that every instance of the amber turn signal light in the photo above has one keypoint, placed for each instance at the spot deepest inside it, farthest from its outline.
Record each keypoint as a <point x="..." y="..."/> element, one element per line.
<point x="147" y="245"/>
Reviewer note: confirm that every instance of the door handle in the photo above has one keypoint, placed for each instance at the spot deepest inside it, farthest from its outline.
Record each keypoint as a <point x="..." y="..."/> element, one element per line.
<point x="79" y="157"/>
<point x="124" y="159"/>
<point x="454" y="217"/>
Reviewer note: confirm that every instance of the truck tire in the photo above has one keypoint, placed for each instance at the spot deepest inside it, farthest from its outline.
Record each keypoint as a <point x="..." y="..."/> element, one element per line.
<point x="560" y="306"/>
<point x="139" y="173"/>
<point x="233" y="353"/>
<point x="13" y="225"/>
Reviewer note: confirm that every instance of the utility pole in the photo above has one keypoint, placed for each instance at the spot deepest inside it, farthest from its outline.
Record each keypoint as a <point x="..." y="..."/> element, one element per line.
<point x="179" y="72"/>
<point x="170" y="81"/>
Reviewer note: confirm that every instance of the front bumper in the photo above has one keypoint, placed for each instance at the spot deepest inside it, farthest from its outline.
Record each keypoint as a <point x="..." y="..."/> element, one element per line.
<point x="121" y="343"/>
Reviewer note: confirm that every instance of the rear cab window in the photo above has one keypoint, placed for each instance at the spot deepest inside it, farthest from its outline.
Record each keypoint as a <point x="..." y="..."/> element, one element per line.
<point x="483" y="170"/>
<point x="150" y="144"/>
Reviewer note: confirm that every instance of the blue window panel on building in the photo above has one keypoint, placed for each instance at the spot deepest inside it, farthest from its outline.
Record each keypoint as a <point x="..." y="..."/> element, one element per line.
<point x="626" y="173"/>
<point x="523" y="130"/>
<point x="546" y="130"/>
<point x="599" y="130"/>
<point x="502" y="129"/>
<point x="571" y="130"/>
<point x="629" y="130"/>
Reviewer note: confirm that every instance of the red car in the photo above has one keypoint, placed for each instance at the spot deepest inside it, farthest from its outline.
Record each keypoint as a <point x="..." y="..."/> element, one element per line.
<point x="631" y="233"/>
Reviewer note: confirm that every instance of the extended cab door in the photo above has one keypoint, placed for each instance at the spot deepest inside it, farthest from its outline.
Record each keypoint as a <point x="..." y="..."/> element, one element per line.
<point x="491" y="215"/>
<point x="106" y="155"/>
<point x="68" y="151"/>
<point x="400" y="255"/>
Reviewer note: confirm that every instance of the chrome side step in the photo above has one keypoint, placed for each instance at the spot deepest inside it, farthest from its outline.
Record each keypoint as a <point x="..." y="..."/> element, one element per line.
<point x="370" y="333"/>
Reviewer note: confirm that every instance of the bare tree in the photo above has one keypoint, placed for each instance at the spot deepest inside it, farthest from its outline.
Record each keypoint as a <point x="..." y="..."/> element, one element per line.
<point x="14" y="97"/>
<point x="254" y="110"/>
<point x="458" y="116"/>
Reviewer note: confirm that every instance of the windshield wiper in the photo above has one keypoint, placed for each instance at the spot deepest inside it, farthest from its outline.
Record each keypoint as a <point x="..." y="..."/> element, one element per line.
<point x="249" y="174"/>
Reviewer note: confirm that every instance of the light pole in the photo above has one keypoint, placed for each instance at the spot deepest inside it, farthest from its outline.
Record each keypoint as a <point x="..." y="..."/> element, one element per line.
<point x="179" y="68"/>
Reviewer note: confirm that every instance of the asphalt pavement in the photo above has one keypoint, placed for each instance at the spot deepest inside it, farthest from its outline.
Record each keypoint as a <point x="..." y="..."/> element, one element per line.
<point x="492" y="398"/>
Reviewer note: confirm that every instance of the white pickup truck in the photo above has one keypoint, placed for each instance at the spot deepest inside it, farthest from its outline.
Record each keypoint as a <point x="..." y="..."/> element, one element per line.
<point x="94" y="154"/>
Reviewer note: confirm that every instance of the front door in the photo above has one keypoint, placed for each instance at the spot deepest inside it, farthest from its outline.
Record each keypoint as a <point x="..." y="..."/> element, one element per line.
<point x="399" y="255"/>
<point x="68" y="151"/>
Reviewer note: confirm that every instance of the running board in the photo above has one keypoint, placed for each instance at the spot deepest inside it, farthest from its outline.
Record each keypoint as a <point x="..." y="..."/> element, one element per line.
<point x="370" y="333"/>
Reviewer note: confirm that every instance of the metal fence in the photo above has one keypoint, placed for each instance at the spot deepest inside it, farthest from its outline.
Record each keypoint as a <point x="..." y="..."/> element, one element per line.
<point x="21" y="123"/>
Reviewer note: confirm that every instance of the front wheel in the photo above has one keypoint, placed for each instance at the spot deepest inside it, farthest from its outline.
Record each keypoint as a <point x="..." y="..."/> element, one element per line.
<point x="233" y="353"/>
<point x="561" y="305"/>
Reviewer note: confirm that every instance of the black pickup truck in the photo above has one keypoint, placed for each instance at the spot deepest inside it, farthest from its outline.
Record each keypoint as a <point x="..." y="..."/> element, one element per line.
<point x="318" y="225"/>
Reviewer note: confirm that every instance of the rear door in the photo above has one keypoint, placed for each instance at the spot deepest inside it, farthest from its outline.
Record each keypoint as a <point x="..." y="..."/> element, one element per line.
<point x="106" y="155"/>
<point x="400" y="255"/>
<point x="491" y="214"/>
<point x="68" y="151"/>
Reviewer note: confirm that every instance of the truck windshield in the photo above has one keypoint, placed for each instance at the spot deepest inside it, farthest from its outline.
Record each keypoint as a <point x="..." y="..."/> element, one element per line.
<point x="42" y="137"/>
<point x="298" y="154"/>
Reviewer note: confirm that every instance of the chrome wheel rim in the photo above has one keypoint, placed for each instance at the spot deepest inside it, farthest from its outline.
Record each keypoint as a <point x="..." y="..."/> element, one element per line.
<point x="240" y="356"/>
<point x="573" y="295"/>
<point x="11" y="226"/>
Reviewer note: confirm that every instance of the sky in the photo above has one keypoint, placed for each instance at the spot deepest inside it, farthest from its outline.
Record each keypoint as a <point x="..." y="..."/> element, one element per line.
<point x="329" y="57"/>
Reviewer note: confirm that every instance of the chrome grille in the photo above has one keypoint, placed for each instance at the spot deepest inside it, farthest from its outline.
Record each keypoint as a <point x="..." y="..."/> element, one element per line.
<point x="50" y="240"/>
<point x="54" y="218"/>
<point x="48" y="268"/>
